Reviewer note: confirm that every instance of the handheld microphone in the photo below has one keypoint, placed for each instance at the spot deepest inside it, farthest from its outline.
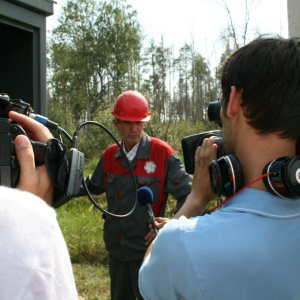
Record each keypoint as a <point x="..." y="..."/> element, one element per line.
<point x="145" y="198"/>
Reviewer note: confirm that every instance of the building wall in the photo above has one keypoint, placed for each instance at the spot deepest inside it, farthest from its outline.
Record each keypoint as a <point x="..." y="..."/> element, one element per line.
<point x="23" y="50"/>
<point x="294" y="17"/>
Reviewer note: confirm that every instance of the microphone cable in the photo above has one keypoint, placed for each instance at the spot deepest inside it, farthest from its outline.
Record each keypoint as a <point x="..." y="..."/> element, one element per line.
<point x="74" y="145"/>
<point x="74" y="140"/>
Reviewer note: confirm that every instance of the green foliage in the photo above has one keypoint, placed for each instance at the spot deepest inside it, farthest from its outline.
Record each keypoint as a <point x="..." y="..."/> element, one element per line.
<point x="173" y="132"/>
<point x="95" y="138"/>
<point x="92" y="52"/>
<point x="97" y="51"/>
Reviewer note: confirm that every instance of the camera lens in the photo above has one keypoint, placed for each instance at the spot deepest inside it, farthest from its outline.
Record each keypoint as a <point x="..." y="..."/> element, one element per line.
<point x="213" y="112"/>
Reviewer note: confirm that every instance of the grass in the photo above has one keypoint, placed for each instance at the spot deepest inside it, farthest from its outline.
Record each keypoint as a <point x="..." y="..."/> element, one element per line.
<point x="82" y="227"/>
<point x="92" y="281"/>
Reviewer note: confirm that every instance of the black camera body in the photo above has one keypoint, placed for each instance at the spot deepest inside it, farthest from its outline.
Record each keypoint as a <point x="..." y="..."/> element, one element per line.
<point x="65" y="168"/>
<point x="190" y="143"/>
<point x="9" y="165"/>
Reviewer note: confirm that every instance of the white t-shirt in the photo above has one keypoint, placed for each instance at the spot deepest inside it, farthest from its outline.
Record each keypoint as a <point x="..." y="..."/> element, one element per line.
<point x="34" y="259"/>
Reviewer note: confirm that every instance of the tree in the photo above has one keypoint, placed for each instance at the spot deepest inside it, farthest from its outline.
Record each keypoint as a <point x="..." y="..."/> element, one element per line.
<point x="237" y="35"/>
<point x="195" y="85"/>
<point x="233" y="35"/>
<point x="156" y="63"/>
<point x="93" y="54"/>
<point x="203" y="88"/>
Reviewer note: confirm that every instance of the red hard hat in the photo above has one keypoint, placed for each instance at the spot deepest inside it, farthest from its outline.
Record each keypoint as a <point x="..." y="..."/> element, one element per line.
<point x="131" y="106"/>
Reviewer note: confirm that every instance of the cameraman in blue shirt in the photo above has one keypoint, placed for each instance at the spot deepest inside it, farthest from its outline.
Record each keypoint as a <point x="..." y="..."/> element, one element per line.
<point x="250" y="247"/>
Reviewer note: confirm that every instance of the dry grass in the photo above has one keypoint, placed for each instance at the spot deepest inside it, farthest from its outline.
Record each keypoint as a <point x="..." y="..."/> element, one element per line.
<point x="92" y="281"/>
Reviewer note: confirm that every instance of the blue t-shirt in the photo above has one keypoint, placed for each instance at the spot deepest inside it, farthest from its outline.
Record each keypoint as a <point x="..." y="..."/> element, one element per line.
<point x="249" y="249"/>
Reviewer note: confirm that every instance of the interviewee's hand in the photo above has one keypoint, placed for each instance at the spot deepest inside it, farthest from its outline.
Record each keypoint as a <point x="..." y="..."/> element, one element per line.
<point x="159" y="224"/>
<point x="150" y="236"/>
<point x="32" y="179"/>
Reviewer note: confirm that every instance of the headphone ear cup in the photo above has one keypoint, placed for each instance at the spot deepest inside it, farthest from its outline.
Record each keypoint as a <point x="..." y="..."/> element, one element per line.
<point x="216" y="178"/>
<point x="269" y="180"/>
<point x="284" y="178"/>
<point x="237" y="173"/>
<point x="291" y="176"/>
<point x="226" y="176"/>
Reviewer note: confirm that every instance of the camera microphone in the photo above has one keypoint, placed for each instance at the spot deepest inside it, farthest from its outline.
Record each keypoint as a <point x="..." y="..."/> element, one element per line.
<point x="145" y="198"/>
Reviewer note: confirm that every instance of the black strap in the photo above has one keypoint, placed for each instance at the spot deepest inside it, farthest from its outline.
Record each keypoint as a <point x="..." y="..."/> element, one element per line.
<point x="57" y="165"/>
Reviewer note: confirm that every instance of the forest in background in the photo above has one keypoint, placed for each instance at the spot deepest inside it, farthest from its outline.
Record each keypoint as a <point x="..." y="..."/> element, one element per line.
<point x="98" y="50"/>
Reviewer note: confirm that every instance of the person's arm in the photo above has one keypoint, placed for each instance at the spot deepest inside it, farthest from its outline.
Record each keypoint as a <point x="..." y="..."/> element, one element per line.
<point x="192" y="198"/>
<point x="162" y="273"/>
<point x="168" y="243"/>
<point x="177" y="182"/>
<point x="201" y="192"/>
<point x="32" y="179"/>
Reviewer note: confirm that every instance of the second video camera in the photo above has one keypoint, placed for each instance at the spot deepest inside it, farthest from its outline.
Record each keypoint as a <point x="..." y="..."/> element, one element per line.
<point x="190" y="143"/>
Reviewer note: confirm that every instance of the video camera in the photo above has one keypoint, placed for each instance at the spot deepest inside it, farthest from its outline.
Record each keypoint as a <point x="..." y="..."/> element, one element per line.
<point x="190" y="143"/>
<point x="9" y="165"/>
<point x="65" y="168"/>
<point x="280" y="176"/>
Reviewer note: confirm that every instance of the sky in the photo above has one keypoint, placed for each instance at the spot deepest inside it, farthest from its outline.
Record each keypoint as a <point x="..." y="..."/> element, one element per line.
<point x="180" y="21"/>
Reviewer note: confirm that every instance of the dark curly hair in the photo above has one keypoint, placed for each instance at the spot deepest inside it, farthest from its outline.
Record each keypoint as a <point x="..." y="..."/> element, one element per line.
<point x="267" y="71"/>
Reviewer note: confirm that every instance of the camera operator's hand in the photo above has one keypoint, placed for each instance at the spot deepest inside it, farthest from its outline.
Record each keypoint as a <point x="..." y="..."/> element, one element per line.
<point x="201" y="192"/>
<point x="32" y="179"/>
<point x="35" y="130"/>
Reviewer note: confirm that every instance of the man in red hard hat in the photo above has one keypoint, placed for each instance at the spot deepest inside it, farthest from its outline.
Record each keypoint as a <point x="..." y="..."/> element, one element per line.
<point x="156" y="166"/>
